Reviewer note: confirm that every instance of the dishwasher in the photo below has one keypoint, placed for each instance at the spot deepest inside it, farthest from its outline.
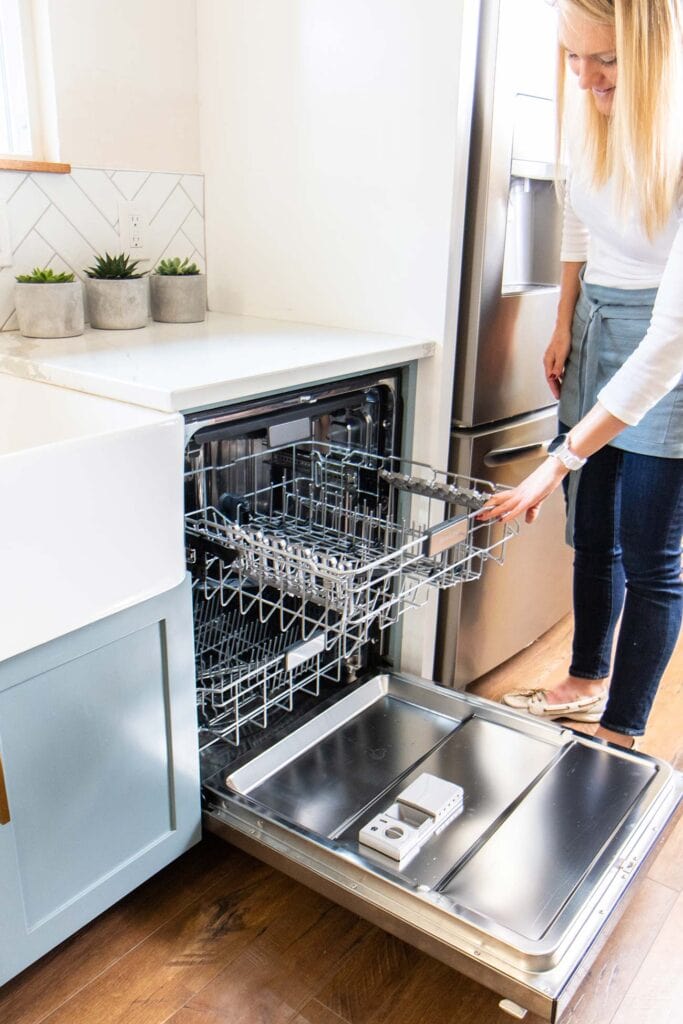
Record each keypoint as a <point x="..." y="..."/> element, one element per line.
<point x="501" y="845"/>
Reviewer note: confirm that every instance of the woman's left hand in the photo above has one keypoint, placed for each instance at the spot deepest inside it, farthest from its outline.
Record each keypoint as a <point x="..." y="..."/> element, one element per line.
<point x="528" y="496"/>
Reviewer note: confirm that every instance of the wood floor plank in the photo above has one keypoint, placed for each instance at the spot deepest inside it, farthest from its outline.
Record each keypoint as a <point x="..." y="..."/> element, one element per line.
<point x="159" y="976"/>
<point x="668" y="867"/>
<point x="367" y="976"/>
<point x="312" y="1013"/>
<point x="287" y="964"/>
<point x="194" y="1016"/>
<point x="432" y="993"/>
<point x="608" y="980"/>
<point x="42" y="988"/>
<point x="656" y="993"/>
<point x="663" y="735"/>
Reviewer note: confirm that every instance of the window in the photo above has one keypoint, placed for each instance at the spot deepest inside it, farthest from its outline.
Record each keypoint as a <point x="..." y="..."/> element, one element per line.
<point x="15" y="124"/>
<point x="24" y="99"/>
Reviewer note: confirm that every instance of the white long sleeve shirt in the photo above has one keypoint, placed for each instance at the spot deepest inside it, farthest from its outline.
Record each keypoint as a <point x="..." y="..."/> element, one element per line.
<point x="618" y="254"/>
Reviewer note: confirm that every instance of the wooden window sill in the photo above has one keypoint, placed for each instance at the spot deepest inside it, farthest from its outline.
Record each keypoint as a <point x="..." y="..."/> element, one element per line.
<point x="7" y="164"/>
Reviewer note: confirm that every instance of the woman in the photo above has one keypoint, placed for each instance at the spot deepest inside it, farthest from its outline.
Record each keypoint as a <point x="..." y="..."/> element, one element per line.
<point x="615" y="361"/>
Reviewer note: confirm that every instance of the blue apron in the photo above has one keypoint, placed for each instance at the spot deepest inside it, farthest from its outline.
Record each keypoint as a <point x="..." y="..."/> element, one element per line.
<point x="608" y="325"/>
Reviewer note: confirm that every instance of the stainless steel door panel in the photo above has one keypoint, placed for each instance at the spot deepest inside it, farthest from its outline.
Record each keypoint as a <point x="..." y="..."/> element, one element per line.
<point x="333" y="780"/>
<point x="492" y="786"/>
<point x="486" y="622"/>
<point x="499" y="374"/>
<point x="553" y="829"/>
<point x="526" y="874"/>
<point x="508" y="308"/>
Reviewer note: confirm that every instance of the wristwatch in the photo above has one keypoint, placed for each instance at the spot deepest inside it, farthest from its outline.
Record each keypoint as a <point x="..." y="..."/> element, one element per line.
<point x="559" y="449"/>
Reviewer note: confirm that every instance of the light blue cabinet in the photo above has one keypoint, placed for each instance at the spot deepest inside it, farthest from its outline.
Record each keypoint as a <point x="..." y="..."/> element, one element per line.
<point x="98" y="748"/>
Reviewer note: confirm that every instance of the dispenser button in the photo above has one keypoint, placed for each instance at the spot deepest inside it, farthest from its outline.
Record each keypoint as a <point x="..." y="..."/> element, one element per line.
<point x="432" y="795"/>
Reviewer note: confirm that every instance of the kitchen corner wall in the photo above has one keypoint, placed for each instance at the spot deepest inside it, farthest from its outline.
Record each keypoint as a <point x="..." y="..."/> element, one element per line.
<point x="61" y="220"/>
<point x="330" y="139"/>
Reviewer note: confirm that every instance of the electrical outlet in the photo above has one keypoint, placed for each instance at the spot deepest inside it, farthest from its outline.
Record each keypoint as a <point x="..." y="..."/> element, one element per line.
<point x="137" y="231"/>
<point x="6" y="255"/>
<point x="133" y="229"/>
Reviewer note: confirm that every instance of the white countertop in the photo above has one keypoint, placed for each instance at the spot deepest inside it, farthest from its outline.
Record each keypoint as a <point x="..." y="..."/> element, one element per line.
<point x="179" y="367"/>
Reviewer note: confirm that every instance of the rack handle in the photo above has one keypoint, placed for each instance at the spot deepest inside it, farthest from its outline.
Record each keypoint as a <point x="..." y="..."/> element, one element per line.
<point x="5" y="815"/>
<point x="303" y="652"/>
<point x="446" y="535"/>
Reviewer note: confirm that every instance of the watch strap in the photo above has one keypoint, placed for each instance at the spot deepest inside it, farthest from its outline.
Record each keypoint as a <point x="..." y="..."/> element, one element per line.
<point x="560" y="448"/>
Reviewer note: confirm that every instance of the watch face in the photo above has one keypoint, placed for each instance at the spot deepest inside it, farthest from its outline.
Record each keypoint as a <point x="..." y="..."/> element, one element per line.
<point x="559" y="447"/>
<point x="556" y="443"/>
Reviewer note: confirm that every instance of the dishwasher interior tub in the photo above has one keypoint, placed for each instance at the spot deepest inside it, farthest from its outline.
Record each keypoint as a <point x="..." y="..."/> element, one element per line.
<point x="308" y="538"/>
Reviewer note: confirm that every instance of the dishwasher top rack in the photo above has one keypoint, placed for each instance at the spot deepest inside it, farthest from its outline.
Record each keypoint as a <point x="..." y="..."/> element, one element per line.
<point x="352" y="533"/>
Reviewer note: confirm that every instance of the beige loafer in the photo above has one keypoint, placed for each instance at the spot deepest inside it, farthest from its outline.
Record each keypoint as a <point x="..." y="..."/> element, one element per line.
<point x="583" y="709"/>
<point x="519" y="699"/>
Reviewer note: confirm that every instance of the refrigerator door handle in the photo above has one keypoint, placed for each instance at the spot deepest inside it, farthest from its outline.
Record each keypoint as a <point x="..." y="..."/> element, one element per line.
<point x="521" y="453"/>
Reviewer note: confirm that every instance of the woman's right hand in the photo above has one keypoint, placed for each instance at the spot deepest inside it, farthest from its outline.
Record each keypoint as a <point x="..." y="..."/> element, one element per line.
<point x="525" y="497"/>
<point x="555" y="358"/>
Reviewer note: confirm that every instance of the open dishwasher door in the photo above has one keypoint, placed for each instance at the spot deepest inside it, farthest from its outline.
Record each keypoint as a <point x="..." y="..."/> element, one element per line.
<point x="501" y="846"/>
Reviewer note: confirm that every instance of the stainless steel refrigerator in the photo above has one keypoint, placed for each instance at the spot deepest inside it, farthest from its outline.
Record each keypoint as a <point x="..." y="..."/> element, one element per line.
<point x="503" y="409"/>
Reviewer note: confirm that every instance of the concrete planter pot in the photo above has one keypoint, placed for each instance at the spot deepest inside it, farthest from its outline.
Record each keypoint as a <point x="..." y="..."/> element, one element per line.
<point x="179" y="298"/>
<point x="49" y="310"/>
<point x="117" y="304"/>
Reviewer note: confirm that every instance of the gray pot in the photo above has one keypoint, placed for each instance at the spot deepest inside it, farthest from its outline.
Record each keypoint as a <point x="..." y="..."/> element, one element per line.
<point x="50" y="310"/>
<point x="117" y="305"/>
<point x="178" y="299"/>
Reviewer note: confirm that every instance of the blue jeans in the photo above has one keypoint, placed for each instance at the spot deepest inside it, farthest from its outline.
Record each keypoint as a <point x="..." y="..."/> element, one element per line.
<point x="627" y="557"/>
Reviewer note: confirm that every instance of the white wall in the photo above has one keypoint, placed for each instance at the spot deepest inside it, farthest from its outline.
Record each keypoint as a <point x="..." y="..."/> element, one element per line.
<point x="328" y="143"/>
<point x="334" y="141"/>
<point x="62" y="220"/>
<point x="126" y="83"/>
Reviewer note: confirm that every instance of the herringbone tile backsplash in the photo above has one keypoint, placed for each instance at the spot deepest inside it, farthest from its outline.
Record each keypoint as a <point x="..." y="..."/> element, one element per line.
<point x="62" y="220"/>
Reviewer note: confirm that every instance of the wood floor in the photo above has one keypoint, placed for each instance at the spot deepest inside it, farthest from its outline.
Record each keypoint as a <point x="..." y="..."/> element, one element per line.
<point x="217" y="938"/>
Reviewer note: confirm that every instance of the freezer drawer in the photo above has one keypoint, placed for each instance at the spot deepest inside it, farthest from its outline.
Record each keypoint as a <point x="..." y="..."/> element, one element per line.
<point x="514" y="886"/>
<point x="485" y="623"/>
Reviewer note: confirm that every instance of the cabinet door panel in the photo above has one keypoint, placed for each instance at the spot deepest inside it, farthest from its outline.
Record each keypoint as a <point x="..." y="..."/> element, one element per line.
<point x="98" y="740"/>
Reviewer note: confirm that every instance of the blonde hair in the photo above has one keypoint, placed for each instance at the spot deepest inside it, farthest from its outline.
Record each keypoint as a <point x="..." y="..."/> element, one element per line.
<point x="639" y="143"/>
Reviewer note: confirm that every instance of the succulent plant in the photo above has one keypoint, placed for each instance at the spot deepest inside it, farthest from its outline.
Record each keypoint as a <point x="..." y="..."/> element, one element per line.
<point x="175" y="267"/>
<point x="44" y="275"/>
<point x="114" y="267"/>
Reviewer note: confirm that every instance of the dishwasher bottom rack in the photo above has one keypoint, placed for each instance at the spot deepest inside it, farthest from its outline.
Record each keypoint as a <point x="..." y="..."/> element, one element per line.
<point x="246" y="668"/>
<point x="353" y="537"/>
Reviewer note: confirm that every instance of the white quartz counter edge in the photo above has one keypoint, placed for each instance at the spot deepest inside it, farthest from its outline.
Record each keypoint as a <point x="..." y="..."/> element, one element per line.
<point x="91" y="518"/>
<point x="179" y="367"/>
